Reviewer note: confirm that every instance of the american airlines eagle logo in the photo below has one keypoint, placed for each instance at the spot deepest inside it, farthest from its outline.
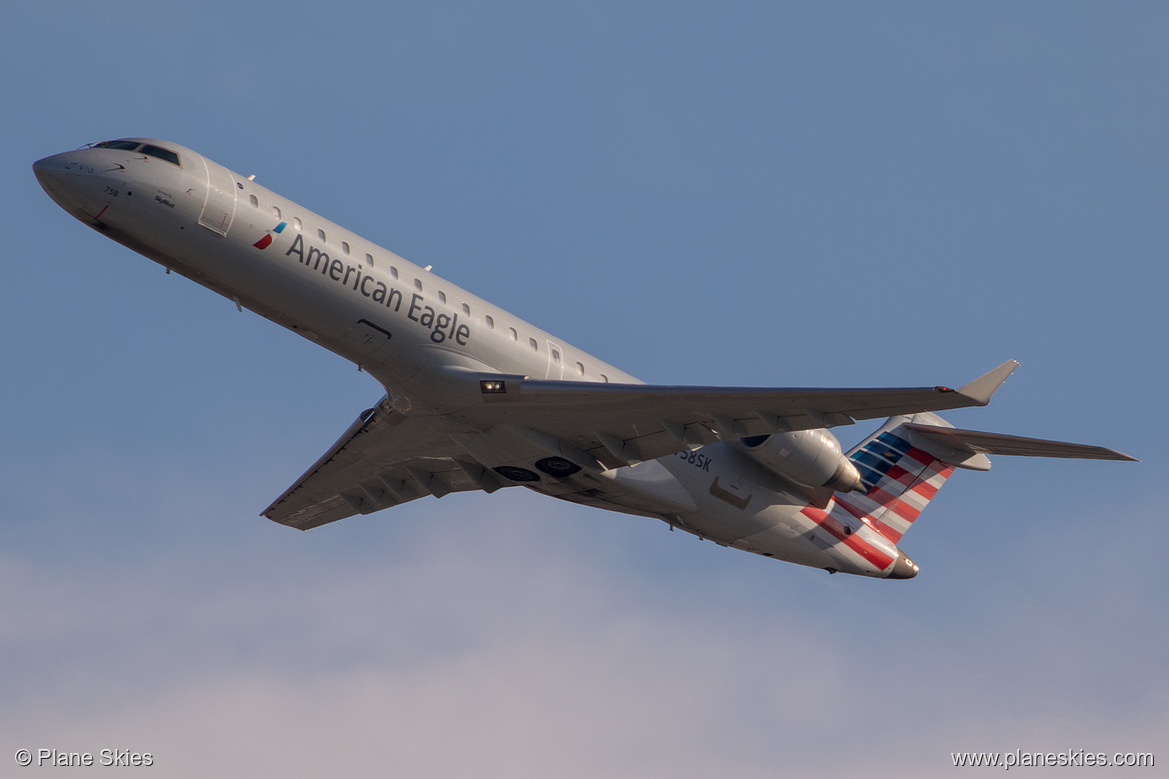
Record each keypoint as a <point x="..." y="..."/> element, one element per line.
<point x="266" y="241"/>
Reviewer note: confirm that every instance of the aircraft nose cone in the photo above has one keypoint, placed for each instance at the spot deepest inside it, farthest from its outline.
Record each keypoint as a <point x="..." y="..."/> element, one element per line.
<point x="903" y="568"/>
<point x="50" y="173"/>
<point x="59" y="175"/>
<point x="68" y="182"/>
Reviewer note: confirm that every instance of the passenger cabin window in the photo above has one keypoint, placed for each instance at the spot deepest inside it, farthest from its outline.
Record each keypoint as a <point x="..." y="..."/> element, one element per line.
<point x="580" y="368"/>
<point x="276" y="211"/>
<point x="369" y="259"/>
<point x="345" y="247"/>
<point x="532" y="343"/>
<point x="418" y="284"/>
<point x="442" y="297"/>
<point x="490" y="322"/>
<point x="393" y="273"/>
<point x="512" y="334"/>
<point x="255" y="202"/>
<point x="321" y="235"/>
<point x="555" y="356"/>
<point x="296" y="223"/>
<point x="466" y="309"/>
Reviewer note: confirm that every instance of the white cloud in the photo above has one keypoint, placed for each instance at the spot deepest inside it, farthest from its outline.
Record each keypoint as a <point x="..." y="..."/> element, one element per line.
<point x="526" y="641"/>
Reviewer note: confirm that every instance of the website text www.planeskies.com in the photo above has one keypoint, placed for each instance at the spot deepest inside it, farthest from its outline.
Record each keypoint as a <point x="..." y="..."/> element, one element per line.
<point x="1066" y="759"/>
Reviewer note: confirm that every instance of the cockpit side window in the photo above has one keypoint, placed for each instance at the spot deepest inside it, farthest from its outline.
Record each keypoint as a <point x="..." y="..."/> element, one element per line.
<point x="120" y="145"/>
<point x="162" y="154"/>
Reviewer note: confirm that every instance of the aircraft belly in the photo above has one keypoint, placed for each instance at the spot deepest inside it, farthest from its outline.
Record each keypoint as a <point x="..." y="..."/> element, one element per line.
<point x="735" y="509"/>
<point x="645" y="490"/>
<point x="728" y="505"/>
<point x="655" y="484"/>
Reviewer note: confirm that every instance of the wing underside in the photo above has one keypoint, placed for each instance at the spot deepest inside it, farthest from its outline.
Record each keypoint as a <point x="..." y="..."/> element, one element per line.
<point x="387" y="458"/>
<point x="384" y="459"/>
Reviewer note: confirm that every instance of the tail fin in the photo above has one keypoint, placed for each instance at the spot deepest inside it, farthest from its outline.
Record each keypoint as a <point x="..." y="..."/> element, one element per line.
<point x="905" y="462"/>
<point x="899" y="477"/>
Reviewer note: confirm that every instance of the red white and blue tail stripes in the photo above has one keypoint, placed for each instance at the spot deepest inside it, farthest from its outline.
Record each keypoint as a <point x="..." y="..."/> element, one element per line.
<point x="900" y="480"/>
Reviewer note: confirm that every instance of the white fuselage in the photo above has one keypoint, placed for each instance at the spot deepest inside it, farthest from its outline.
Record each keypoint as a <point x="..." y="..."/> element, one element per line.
<point x="412" y="331"/>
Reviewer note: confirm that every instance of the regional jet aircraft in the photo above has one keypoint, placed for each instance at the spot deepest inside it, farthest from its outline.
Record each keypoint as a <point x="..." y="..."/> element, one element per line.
<point x="477" y="399"/>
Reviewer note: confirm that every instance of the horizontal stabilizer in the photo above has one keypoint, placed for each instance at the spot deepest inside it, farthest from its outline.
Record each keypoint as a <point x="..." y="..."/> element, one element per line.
<point x="978" y="442"/>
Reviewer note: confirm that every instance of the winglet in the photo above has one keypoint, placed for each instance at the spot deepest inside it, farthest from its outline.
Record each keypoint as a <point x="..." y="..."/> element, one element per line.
<point x="985" y="385"/>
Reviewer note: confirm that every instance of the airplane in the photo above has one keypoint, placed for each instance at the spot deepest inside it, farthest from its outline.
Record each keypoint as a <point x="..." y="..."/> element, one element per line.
<point x="477" y="399"/>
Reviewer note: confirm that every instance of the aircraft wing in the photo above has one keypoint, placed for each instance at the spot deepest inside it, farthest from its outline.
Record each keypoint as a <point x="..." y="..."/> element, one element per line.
<point x="384" y="459"/>
<point x="387" y="458"/>
<point x="620" y="424"/>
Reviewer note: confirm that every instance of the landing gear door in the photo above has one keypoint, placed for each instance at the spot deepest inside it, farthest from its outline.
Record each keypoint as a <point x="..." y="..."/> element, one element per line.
<point x="219" y="207"/>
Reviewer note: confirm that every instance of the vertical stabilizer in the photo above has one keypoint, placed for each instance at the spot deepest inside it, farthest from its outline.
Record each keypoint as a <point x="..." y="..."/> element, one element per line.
<point x="900" y="479"/>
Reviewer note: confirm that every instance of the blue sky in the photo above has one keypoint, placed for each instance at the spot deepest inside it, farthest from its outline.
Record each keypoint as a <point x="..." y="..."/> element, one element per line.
<point x="774" y="194"/>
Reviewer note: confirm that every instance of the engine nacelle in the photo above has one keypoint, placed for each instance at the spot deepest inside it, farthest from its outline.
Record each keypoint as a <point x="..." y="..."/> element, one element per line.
<point x="809" y="457"/>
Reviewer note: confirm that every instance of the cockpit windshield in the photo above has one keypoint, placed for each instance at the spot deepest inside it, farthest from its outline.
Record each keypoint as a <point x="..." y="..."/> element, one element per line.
<point x="161" y="153"/>
<point x="123" y="145"/>
<point x="142" y="148"/>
